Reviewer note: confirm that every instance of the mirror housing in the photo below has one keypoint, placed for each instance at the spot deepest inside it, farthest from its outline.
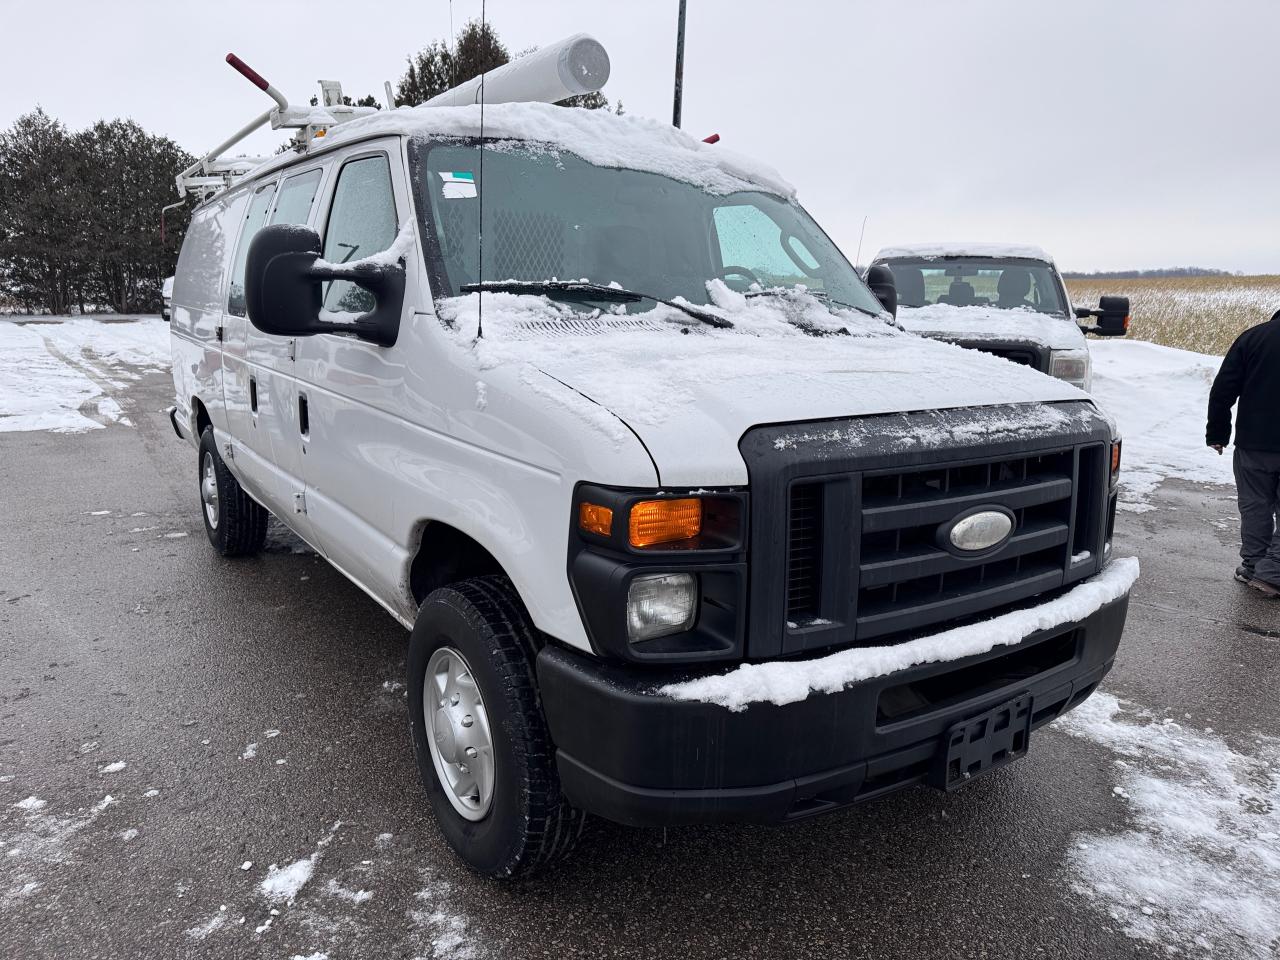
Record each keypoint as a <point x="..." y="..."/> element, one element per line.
<point x="284" y="283"/>
<point x="1112" y="315"/>
<point x="880" y="279"/>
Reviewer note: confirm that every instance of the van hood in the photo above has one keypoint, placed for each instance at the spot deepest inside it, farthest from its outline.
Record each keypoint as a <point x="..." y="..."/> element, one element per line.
<point x="992" y="325"/>
<point x="690" y="392"/>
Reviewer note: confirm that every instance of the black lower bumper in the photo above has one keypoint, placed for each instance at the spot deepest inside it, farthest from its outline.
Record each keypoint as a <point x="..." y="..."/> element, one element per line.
<point x="626" y="753"/>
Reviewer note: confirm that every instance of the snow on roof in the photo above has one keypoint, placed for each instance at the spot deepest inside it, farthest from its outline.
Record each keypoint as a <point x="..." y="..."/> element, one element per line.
<point x="597" y="136"/>
<point x="790" y="681"/>
<point x="930" y="250"/>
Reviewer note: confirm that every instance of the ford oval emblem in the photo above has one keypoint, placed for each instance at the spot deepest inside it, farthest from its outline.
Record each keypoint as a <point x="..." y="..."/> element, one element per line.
<point x="981" y="531"/>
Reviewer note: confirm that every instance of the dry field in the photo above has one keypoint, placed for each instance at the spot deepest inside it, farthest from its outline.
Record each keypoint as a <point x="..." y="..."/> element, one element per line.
<point x="1204" y="314"/>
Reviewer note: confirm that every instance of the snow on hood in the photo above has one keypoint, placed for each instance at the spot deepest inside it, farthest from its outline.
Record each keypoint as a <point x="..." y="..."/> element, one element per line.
<point x="992" y="324"/>
<point x="690" y="391"/>
<point x="597" y="136"/>
<point x="1024" y="251"/>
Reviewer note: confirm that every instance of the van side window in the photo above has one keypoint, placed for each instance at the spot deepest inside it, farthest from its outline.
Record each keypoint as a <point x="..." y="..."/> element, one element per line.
<point x="293" y="203"/>
<point x="254" y="218"/>
<point x="362" y="221"/>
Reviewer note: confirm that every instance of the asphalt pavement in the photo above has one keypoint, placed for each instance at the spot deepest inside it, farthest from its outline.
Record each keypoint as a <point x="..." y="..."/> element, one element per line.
<point x="246" y="714"/>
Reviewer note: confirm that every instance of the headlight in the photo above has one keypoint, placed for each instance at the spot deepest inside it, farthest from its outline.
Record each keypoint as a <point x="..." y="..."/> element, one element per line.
<point x="661" y="604"/>
<point x="1073" y="366"/>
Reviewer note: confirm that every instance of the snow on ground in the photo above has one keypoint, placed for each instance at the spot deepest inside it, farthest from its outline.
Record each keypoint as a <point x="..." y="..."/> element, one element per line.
<point x="1197" y="869"/>
<point x="1160" y="397"/>
<point x="65" y="374"/>
<point x="789" y="681"/>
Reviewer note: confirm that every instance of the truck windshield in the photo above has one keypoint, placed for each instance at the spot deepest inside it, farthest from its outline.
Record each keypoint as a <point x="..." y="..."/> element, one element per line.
<point x="1010" y="284"/>
<point x="548" y="214"/>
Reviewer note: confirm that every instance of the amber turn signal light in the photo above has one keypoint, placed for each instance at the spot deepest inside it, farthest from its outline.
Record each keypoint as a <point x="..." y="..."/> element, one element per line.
<point x="595" y="519"/>
<point x="665" y="521"/>
<point x="1115" y="459"/>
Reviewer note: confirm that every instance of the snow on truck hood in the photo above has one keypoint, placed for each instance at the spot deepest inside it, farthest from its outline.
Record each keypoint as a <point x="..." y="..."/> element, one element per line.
<point x="690" y="391"/>
<point x="992" y="324"/>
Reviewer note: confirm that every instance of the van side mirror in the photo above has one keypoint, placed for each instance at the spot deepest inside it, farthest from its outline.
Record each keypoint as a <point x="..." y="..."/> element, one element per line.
<point x="880" y="280"/>
<point x="284" y="283"/>
<point x="1112" y="315"/>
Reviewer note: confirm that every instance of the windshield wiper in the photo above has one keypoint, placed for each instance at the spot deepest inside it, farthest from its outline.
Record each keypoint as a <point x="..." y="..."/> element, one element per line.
<point x="816" y="294"/>
<point x="586" y="290"/>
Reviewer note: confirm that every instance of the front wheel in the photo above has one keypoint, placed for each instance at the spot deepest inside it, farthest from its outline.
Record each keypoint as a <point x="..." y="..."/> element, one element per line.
<point x="479" y="736"/>
<point x="235" y="523"/>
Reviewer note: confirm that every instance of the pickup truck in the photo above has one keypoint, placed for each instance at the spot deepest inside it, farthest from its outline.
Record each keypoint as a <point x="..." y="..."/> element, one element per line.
<point x="1004" y="299"/>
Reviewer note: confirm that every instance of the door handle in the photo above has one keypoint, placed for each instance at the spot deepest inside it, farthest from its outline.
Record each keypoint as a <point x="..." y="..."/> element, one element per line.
<point x="253" y="394"/>
<point x="304" y="420"/>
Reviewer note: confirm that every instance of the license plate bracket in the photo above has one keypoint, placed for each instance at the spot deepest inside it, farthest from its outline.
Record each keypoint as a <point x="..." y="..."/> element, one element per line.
<point x="981" y="744"/>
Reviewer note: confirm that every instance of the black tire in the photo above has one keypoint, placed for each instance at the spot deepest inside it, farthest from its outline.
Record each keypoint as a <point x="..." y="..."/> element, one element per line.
<point x="529" y="824"/>
<point x="240" y="527"/>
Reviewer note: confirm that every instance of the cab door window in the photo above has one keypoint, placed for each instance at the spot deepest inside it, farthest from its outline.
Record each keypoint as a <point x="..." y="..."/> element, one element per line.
<point x="362" y="221"/>
<point x="293" y="203"/>
<point x="254" y="218"/>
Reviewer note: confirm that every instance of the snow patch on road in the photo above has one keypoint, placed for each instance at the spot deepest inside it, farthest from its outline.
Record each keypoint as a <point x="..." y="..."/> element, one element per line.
<point x="65" y="374"/>
<point x="283" y="884"/>
<point x="1160" y="398"/>
<point x="1198" y="870"/>
<point x="790" y="681"/>
<point x="449" y="931"/>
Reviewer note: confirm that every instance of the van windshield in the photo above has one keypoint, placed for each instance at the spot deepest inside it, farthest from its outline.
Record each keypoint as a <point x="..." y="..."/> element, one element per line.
<point x="548" y="214"/>
<point x="1007" y="284"/>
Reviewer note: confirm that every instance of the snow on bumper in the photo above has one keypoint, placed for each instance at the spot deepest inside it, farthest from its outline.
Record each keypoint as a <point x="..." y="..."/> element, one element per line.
<point x="784" y="682"/>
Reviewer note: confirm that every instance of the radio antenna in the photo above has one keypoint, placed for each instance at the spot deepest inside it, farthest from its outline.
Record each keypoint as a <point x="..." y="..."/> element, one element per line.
<point x="484" y="28"/>
<point x="857" y="260"/>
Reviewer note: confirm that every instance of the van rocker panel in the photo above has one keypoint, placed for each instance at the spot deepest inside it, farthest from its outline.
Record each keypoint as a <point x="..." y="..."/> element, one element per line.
<point x="631" y="755"/>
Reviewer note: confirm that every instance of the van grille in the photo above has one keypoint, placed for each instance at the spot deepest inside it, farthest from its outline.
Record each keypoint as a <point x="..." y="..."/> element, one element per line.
<point x="907" y="579"/>
<point x="850" y="522"/>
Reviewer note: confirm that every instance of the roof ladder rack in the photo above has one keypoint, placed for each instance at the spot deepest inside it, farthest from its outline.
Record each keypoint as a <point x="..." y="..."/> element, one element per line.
<point x="213" y="173"/>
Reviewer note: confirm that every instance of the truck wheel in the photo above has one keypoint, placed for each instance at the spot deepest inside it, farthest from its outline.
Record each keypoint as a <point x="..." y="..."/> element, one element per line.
<point x="235" y="522"/>
<point x="479" y="736"/>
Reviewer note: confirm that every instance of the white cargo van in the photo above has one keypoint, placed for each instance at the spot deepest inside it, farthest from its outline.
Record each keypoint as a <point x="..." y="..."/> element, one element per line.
<point x="684" y="526"/>
<point x="1001" y="298"/>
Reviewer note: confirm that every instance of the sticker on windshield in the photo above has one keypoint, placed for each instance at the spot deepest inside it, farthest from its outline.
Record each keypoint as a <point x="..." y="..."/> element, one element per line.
<point x="458" y="184"/>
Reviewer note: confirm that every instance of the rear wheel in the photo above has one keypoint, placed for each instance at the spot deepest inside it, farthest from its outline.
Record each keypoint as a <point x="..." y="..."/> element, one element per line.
<point x="479" y="736"/>
<point x="236" y="524"/>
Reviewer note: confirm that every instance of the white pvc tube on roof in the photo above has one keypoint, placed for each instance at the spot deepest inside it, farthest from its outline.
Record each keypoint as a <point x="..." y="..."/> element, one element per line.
<point x="573" y="66"/>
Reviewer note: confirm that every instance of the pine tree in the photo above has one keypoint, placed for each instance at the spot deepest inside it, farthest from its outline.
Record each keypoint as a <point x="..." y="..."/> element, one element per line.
<point x="81" y="214"/>
<point x="437" y="67"/>
<point x="39" y="212"/>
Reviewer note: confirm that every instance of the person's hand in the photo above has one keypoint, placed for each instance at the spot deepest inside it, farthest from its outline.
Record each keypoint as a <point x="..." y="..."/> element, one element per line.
<point x="1216" y="446"/>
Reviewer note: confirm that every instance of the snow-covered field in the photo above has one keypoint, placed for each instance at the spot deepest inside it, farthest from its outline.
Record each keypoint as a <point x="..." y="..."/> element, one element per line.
<point x="66" y="374"/>
<point x="1160" y="397"/>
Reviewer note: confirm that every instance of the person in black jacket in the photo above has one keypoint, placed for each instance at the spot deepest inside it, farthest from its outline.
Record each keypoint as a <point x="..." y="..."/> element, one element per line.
<point x="1251" y="374"/>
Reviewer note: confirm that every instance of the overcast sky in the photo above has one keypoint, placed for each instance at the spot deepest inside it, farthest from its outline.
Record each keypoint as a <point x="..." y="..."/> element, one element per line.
<point x="1114" y="133"/>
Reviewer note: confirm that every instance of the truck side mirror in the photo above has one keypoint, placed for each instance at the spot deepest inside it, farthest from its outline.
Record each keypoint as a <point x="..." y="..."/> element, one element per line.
<point x="880" y="280"/>
<point x="284" y="284"/>
<point x="1112" y="315"/>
